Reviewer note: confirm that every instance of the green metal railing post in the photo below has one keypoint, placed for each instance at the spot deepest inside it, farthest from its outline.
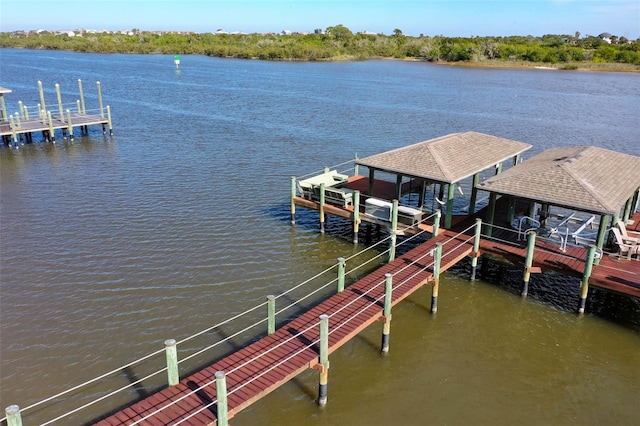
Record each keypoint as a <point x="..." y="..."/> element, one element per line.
<point x="436" y="277"/>
<point x="476" y="248"/>
<point x="528" y="262"/>
<point x="341" y="268"/>
<point x="588" y="266"/>
<point x="293" y="204"/>
<point x="324" y="360"/>
<point x="13" y="415"/>
<point x="221" y="396"/>
<point x="386" y="312"/>
<point x="172" y="362"/>
<point x="271" y="314"/>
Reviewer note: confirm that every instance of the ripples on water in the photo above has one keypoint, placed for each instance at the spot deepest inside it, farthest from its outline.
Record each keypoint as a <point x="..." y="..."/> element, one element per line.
<point x="181" y="220"/>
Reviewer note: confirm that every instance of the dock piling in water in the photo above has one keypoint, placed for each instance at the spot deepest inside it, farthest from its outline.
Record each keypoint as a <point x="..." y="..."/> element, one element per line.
<point x="476" y="249"/>
<point x="528" y="262"/>
<point x="436" y="277"/>
<point x="588" y="266"/>
<point x="324" y="360"/>
<point x="386" y="313"/>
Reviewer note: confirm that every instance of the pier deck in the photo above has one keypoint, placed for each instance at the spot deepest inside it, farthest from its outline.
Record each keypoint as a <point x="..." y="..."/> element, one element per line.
<point x="263" y="366"/>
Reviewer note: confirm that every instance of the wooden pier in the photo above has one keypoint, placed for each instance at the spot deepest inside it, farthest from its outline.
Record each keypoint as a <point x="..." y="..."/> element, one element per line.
<point x="219" y="391"/>
<point x="258" y="369"/>
<point x="20" y="127"/>
<point x="265" y="365"/>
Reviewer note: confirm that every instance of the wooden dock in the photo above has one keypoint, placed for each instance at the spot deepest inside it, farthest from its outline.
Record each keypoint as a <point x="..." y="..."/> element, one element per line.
<point x="263" y="366"/>
<point x="20" y="127"/>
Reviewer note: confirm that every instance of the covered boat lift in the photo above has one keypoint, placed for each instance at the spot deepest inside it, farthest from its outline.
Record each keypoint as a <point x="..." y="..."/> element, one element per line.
<point x="585" y="178"/>
<point x="445" y="161"/>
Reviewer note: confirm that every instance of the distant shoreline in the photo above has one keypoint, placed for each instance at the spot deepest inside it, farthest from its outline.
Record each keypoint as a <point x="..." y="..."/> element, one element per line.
<point x="592" y="67"/>
<point x="488" y="63"/>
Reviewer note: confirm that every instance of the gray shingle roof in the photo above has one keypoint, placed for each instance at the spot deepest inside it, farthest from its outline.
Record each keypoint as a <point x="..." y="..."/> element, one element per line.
<point x="447" y="159"/>
<point x="589" y="179"/>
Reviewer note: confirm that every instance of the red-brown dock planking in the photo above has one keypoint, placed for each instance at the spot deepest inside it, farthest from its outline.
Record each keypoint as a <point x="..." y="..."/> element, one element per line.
<point x="263" y="366"/>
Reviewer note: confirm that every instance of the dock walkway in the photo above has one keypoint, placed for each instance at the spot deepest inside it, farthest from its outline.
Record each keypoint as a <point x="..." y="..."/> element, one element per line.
<point x="263" y="366"/>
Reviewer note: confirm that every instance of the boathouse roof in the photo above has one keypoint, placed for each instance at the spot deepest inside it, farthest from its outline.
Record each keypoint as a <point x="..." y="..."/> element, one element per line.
<point x="584" y="178"/>
<point x="447" y="159"/>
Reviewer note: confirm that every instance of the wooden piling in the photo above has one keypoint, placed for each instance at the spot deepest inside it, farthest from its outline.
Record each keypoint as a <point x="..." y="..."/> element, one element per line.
<point x="13" y="415"/>
<point x="109" y="120"/>
<point x="451" y="191"/>
<point x="322" y="218"/>
<point x="476" y="249"/>
<point x="59" y="96"/>
<point x="52" y="135"/>
<point x="324" y="360"/>
<point x="491" y="214"/>
<point x="386" y="312"/>
<point x="528" y="262"/>
<point x="70" y="125"/>
<point x="271" y="314"/>
<point x="341" y="273"/>
<point x="588" y="266"/>
<point x="43" y="106"/>
<point x="436" y="223"/>
<point x="356" y="216"/>
<point x="84" y="110"/>
<point x="474" y="193"/>
<point x="100" y="99"/>
<point x="394" y="228"/>
<point x="293" y="204"/>
<point x="222" y="413"/>
<point x="173" y="377"/>
<point x="436" y="277"/>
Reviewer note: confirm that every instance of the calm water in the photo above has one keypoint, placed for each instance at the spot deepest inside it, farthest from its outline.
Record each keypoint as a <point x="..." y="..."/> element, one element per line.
<point x="109" y="246"/>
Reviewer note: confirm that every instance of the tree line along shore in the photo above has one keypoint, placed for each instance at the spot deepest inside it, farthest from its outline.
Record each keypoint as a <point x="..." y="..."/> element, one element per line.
<point x="606" y="53"/>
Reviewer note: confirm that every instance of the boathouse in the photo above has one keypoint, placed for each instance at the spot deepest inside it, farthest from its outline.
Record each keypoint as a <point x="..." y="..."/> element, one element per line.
<point x="586" y="179"/>
<point x="441" y="164"/>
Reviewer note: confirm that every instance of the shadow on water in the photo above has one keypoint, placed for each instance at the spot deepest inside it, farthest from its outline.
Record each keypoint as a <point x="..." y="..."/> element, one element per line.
<point x="559" y="291"/>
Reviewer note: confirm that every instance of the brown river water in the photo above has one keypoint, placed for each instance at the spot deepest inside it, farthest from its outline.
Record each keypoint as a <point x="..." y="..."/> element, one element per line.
<point x="111" y="245"/>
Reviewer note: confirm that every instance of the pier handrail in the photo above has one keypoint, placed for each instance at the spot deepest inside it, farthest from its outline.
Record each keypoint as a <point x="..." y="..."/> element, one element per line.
<point x="162" y="351"/>
<point x="307" y="175"/>
<point x="312" y="343"/>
